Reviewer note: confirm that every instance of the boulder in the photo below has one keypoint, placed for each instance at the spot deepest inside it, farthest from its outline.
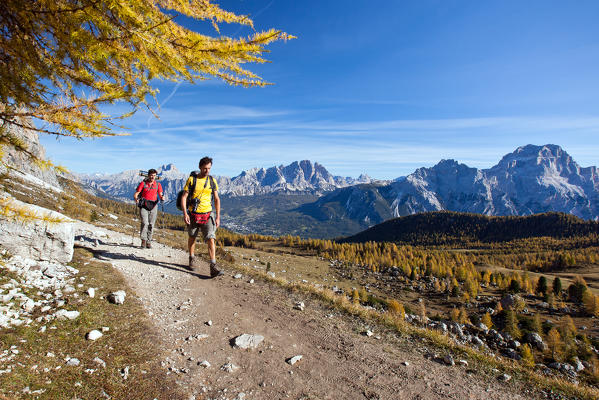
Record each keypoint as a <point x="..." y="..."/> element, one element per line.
<point x="509" y="300"/>
<point x="536" y="341"/>
<point x="45" y="235"/>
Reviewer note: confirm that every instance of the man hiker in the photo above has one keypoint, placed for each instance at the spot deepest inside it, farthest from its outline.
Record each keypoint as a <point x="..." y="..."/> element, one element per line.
<point x="199" y="214"/>
<point x="146" y="197"/>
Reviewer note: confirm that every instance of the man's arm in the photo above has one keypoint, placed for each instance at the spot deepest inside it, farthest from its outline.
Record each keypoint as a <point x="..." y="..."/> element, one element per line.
<point x="137" y="192"/>
<point x="217" y="207"/>
<point x="160" y="192"/>
<point x="183" y="203"/>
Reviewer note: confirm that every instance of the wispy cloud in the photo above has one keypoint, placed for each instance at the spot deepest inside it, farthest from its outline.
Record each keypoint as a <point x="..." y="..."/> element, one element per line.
<point x="244" y="137"/>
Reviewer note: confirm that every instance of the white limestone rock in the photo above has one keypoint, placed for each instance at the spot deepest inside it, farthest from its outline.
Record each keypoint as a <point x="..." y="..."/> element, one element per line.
<point x="100" y="362"/>
<point x="64" y="314"/>
<point x="229" y="367"/>
<point x="72" y="362"/>
<point x="117" y="297"/>
<point x="37" y="239"/>
<point x="247" y="341"/>
<point x="294" y="359"/>
<point x="93" y="335"/>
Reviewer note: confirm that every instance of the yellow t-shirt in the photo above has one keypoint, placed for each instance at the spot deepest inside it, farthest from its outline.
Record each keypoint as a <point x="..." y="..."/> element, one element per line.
<point x="204" y="194"/>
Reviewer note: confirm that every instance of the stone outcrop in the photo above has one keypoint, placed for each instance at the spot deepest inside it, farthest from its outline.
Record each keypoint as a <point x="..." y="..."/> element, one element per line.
<point x="21" y="164"/>
<point x="36" y="233"/>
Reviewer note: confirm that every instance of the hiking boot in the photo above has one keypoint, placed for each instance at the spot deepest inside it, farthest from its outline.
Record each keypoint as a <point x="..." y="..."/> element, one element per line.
<point x="193" y="263"/>
<point x="143" y="244"/>
<point x="148" y="244"/>
<point x="214" y="272"/>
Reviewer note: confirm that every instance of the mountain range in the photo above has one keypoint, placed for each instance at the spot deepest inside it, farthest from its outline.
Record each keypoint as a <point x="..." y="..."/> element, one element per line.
<point x="532" y="179"/>
<point x="297" y="177"/>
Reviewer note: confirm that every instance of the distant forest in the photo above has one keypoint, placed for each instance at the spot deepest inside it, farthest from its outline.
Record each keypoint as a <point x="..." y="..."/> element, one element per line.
<point x="452" y="228"/>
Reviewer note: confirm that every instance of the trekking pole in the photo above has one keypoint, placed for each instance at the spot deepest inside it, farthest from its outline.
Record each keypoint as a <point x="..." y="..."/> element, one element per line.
<point x="158" y="227"/>
<point x="133" y="228"/>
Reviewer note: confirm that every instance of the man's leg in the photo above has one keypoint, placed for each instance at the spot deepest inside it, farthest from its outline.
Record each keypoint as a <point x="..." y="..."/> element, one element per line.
<point x="143" y="218"/>
<point x="192" y="232"/>
<point x="191" y="245"/>
<point x="211" y="249"/>
<point x="209" y="232"/>
<point x="151" y="222"/>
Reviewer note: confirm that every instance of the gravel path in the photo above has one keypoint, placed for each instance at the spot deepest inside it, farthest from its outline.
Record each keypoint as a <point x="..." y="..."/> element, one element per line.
<point x="199" y="317"/>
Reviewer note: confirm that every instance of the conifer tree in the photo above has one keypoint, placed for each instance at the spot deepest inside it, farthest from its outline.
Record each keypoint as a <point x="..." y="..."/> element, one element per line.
<point x="527" y="356"/>
<point x="511" y="324"/>
<point x="454" y="314"/>
<point x="63" y="59"/>
<point x="576" y="289"/>
<point x="554" y="343"/>
<point x="463" y="316"/>
<point x="542" y="286"/>
<point x="486" y="319"/>
<point x="536" y="324"/>
<point x="567" y="330"/>
<point x="591" y="303"/>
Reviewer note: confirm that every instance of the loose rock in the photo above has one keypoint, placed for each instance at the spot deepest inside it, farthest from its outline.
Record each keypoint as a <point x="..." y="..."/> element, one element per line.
<point x="117" y="297"/>
<point x="293" y="359"/>
<point x="247" y="341"/>
<point x="93" y="335"/>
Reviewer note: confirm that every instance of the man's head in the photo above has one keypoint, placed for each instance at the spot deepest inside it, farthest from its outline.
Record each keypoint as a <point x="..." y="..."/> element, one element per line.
<point x="205" y="165"/>
<point x="152" y="174"/>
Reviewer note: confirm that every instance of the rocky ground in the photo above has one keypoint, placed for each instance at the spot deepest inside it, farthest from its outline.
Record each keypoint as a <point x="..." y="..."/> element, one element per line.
<point x="200" y="319"/>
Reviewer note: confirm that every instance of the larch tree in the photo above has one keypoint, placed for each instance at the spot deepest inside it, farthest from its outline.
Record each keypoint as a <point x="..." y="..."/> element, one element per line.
<point x="61" y="61"/>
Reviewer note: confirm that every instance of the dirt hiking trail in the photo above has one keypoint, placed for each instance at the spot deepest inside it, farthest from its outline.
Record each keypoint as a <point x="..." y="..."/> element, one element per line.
<point x="198" y="318"/>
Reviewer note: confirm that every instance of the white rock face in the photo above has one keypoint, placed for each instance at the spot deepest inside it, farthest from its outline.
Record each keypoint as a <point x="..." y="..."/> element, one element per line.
<point x="37" y="239"/>
<point x="247" y="341"/>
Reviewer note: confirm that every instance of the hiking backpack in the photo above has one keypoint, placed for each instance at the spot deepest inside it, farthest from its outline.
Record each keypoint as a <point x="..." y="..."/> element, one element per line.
<point x="194" y="175"/>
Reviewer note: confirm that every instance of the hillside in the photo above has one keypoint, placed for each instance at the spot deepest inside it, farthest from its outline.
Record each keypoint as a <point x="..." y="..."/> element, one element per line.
<point x="371" y="320"/>
<point x="450" y="228"/>
<point x="188" y="325"/>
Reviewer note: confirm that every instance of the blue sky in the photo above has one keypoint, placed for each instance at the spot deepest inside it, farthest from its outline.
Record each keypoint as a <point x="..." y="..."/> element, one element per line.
<point x="379" y="87"/>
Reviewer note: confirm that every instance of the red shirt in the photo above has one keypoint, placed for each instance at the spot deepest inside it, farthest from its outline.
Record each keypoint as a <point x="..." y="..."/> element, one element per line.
<point x="149" y="191"/>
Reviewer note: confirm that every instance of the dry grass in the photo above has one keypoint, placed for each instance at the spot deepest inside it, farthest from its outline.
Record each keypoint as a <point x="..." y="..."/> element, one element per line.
<point x="130" y="342"/>
<point x="481" y="362"/>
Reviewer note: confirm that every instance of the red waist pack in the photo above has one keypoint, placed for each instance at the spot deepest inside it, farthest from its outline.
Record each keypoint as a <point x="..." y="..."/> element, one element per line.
<point x="201" y="218"/>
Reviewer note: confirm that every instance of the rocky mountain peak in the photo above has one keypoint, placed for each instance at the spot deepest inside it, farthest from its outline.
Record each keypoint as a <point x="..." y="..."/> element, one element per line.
<point x="549" y="159"/>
